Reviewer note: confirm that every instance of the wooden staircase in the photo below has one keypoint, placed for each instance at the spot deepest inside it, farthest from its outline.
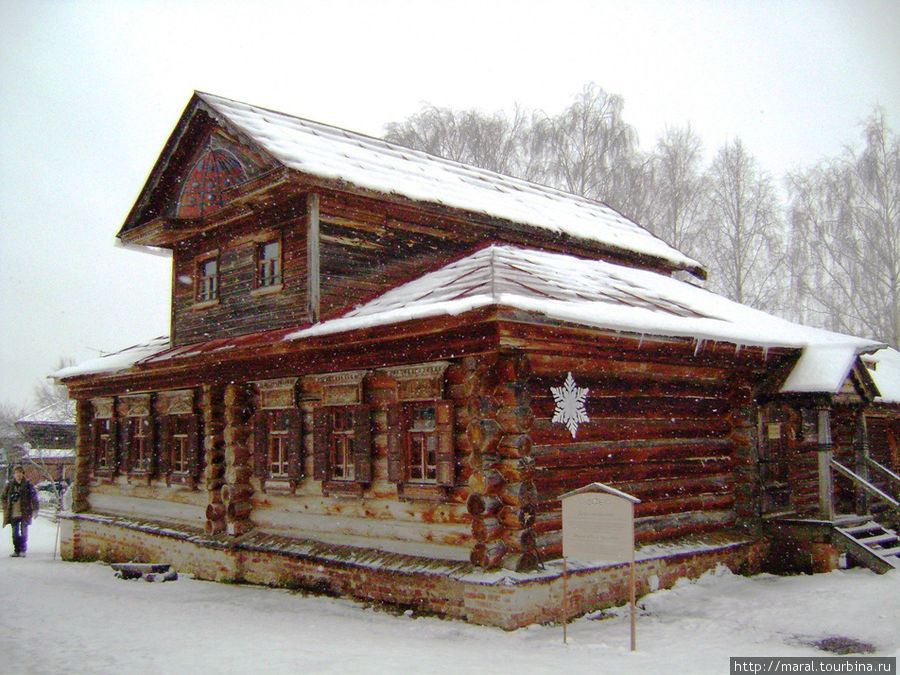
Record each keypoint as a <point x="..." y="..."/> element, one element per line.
<point x="867" y="542"/>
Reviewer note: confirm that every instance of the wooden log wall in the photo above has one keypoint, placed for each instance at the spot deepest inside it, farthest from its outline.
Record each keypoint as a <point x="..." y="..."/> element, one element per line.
<point x="212" y="404"/>
<point x="672" y="434"/>
<point x="502" y="492"/>
<point x="236" y="490"/>
<point x="884" y="436"/>
<point x="83" y="450"/>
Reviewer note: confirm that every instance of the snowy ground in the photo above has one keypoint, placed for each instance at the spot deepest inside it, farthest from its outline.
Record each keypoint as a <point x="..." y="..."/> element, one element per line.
<point x="78" y="618"/>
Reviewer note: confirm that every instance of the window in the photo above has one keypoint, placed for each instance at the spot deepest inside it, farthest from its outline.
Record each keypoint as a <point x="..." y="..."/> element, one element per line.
<point x="179" y="453"/>
<point x="420" y="443"/>
<point x="268" y="264"/>
<point x="207" y="280"/>
<point x="104" y="445"/>
<point x="342" y="444"/>
<point x="277" y="445"/>
<point x="139" y="444"/>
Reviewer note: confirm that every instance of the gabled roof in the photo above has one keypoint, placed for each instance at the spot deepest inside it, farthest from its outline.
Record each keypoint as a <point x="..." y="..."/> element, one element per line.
<point x="359" y="161"/>
<point x="884" y="369"/>
<point x="549" y="287"/>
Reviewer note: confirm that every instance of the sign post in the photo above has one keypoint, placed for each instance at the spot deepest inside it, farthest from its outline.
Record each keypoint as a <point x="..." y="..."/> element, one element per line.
<point x="598" y="526"/>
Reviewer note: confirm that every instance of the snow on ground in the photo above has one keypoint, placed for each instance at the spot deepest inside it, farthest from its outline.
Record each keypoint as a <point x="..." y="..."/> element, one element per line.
<point x="78" y="618"/>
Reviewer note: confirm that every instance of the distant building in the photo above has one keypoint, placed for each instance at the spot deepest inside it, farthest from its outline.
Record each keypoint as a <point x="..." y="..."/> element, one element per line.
<point x="49" y="450"/>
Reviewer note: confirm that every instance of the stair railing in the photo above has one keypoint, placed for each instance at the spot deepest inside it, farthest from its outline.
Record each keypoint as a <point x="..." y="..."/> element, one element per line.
<point x="865" y="485"/>
<point x="892" y="478"/>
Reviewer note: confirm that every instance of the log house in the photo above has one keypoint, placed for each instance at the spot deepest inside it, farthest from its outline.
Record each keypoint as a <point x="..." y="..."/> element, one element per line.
<point x="378" y="349"/>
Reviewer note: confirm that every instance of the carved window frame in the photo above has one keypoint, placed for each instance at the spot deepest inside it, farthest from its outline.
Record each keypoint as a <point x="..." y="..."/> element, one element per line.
<point x="104" y="438"/>
<point x="342" y="399"/>
<point x="420" y="387"/>
<point x="277" y="418"/>
<point x="137" y="437"/>
<point x="180" y="429"/>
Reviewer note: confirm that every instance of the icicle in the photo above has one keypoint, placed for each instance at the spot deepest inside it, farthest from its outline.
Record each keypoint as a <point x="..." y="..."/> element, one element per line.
<point x="698" y="347"/>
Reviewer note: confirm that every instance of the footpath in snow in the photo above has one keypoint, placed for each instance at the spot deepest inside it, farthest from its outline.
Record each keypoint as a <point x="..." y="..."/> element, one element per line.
<point x="79" y="618"/>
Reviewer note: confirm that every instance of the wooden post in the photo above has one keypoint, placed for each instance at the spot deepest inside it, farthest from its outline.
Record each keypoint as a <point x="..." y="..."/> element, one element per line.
<point x="312" y="256"/>
<point x="826" y="484"/>
<point x="862" y="463"/>
<point x="565" y="616"/>
<point x="633" y="633"/>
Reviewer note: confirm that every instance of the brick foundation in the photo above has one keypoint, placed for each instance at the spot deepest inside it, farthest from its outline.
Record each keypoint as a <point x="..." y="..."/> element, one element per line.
<point x="453" y="589"/>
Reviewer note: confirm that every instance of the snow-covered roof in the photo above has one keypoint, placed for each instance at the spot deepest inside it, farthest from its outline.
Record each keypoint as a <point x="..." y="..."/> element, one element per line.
<point x="588" y="292"/>
<point x="37" y="454"/>
<point x="821" y="368"/>
<point x="331" y="153"/>
<point x="884" y="367"/>
<point x="116" y="361"/>
<point x="58" y="412"/>
<point x="559" y="288"/>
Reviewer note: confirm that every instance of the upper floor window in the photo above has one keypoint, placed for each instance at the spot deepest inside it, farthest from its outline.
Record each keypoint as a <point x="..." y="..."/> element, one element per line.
<point x="268" y="264"/>
<point x="207" y="280"/>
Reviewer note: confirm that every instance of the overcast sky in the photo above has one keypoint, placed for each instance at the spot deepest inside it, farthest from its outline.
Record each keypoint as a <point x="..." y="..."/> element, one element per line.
<point x="90" y="91"/>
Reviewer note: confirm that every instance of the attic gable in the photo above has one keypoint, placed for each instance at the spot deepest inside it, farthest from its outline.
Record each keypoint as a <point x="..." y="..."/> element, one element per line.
<point x="309" y="153"/>
<point x="203" y="165"/>
<point x="219" y="165"/>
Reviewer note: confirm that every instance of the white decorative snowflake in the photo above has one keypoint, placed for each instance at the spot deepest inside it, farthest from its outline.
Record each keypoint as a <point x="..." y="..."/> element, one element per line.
<point x="569" y="405"/>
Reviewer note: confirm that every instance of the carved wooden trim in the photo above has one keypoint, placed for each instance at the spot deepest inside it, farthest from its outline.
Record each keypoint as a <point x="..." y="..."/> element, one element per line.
<point x="179" y="402"/>
<point x="276" y="394"/>
<point x="418" y="382"/>
<point x="104" y="408"/>
<point x="342" y="388"/>
<point x="134" y="405"/>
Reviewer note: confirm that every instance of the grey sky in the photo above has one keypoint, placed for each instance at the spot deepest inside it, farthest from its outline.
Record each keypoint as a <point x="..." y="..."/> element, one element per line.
<point x="89" y="92"/>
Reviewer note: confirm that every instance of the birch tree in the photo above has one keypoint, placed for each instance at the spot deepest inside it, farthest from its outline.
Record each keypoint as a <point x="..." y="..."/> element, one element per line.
<point x="742" y="239"/>
<point x="490" y="141"/>
<point x="845" y="219"/>
<point x="677" y="188"/>
<point x="593" y="151"/>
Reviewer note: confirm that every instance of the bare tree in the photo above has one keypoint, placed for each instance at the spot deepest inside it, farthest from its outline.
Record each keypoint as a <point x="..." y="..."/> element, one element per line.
<point x="592" y="147"/>
<point x="47" y="392"/>
<point x="678" y="188"/>
<point x="742" y="230"/>
<point x="845" y="220"/>
<point x="490" y="141"/>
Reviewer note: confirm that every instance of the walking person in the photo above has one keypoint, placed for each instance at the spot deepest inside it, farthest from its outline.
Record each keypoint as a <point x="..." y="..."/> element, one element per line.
<point x="20" y="505"/>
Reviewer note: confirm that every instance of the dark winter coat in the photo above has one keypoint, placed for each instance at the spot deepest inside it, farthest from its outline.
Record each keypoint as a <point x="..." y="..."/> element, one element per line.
<point x="27" y="495"/>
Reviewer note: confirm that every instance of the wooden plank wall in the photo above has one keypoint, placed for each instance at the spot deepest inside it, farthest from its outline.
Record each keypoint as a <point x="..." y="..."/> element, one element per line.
<point x="239" y="311"/>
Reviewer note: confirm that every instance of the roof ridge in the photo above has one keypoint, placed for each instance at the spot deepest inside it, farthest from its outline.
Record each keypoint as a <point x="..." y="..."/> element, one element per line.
<point x="402" y="149"/>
